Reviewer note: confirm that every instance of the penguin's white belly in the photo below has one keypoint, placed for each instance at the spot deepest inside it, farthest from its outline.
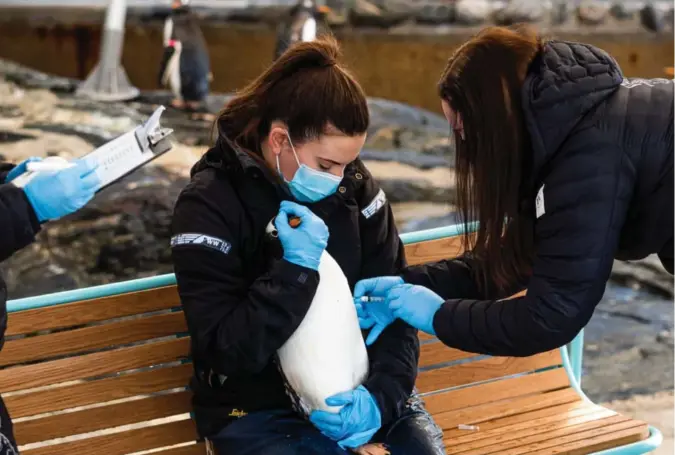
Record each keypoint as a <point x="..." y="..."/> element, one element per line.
<point x="326" y="354"/>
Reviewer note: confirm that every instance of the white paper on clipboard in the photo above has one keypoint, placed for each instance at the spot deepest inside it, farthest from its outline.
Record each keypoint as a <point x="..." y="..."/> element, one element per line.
<point x="118" y="157"/>
<point x="129" y="151"/>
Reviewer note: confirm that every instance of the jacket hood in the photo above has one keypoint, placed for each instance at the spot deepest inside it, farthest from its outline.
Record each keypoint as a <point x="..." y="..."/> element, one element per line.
<point x="565" y="82"/>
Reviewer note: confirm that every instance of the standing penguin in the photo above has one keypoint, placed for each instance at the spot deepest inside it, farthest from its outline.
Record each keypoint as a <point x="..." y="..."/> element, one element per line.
<point x="301" y="25"/>
<point x="185" y="66"/>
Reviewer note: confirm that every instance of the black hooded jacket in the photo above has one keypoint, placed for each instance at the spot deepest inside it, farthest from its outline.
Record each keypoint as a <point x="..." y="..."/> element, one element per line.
<point x="18" y="227"/>
<point x="601" y="188"/>
<point x="242" y="301"/>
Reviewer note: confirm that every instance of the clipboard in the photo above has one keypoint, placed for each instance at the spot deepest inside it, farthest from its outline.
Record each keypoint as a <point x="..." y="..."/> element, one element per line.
<point x="123" y="155"/>
<point x="134" y="149"/>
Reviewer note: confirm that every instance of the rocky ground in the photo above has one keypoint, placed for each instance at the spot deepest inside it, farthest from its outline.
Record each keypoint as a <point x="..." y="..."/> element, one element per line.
<point x="124" y="232"/>
<point x="653" y="16"/>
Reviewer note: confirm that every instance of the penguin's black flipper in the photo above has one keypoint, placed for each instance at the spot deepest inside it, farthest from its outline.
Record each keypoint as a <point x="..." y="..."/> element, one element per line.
<point x="165" y="65"/>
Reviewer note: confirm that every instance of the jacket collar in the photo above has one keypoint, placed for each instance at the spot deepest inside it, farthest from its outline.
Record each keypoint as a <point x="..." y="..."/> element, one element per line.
<point x="229" y="157"/>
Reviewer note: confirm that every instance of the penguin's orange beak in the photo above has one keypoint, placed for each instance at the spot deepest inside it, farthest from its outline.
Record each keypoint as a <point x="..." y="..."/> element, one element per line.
<point x="323" y="9"/>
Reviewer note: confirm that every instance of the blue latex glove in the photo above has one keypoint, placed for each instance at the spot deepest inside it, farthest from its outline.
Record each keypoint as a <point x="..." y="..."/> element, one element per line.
<point x="416" y="305"/>
<point x="355" y="424"/>
<point x="58" y="193"/>
<point x="20" y="168"/>
<point x="304" y="244"/>
<point x="375" y="315"/>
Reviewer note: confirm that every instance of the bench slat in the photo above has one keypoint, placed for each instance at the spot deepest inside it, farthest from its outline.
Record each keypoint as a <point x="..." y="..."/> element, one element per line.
<point x="90" y="338"/>
<point x="579" y="433"/>
<point x="437" y="353"/>
<point x="506" y="408"/>
<point x="88" y="311"/>
<point x="100" y="418"/>
<point x="537" y="383"/>
<point x="531" y="439"/>
<point x="433" y="250"/>
<point x="126" y="442"/>
<point x="92" y="365"/>
<point x="482" y="370"/>
<point x="513" y="432"/>
<point x="495" y="426"/>
<point x="615" y="438"/>
<point x="102" y="390"/>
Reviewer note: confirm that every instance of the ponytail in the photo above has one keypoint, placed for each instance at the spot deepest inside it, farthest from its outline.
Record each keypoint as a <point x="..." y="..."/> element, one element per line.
<point x="306" y="88"/>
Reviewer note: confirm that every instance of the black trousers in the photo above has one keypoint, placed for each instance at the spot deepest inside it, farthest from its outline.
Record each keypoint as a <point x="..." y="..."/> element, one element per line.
<point x="7" y="442"/>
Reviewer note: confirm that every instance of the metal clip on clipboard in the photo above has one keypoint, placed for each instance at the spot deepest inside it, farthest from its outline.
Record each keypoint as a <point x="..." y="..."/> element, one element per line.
<point x="150" y="134"/>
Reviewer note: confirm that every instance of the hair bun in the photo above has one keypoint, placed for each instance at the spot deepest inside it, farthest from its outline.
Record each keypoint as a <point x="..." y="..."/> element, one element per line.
<point x="324" y="52"/>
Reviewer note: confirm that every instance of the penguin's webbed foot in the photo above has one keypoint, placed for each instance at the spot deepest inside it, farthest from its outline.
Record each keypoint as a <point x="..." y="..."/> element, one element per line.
<point x="177" y="103"/>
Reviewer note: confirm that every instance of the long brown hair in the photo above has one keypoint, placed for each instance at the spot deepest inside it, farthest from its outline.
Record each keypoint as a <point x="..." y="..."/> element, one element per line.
<point x="482" y="82"/>
<point x="307" y="88"/>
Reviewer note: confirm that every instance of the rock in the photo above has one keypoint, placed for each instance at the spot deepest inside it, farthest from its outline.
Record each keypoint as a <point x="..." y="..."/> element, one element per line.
<point x="379" y="13"/>
<point x="517" y="11"/>
<point x="435" y="12"/>
<point x="622" y="11"/>
<point x="7" y="137"/>
<point x="96" y="136"/>
<point x="648" y="272"/>
<point x="413" y="190"/>
<point x="631" y="339"/>
<point x="30" y="78"/>
<point x="472" y="12"/>
<point x="592" y="12"/>
<point x="408" y="157"/>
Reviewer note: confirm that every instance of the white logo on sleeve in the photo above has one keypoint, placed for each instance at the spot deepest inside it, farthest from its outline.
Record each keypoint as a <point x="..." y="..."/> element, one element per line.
<point x="376" y="204"/>
<point x="636" y="82"/>
<point x="539" y="202"/>
<point x="204" y="240"/>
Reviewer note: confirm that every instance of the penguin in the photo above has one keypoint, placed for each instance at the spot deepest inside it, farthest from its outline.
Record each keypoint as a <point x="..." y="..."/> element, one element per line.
<point x="326" y="354"/>
<point x="651" y="18"/>
<point x="185" y="66"/>
<point x="301" y="25"/>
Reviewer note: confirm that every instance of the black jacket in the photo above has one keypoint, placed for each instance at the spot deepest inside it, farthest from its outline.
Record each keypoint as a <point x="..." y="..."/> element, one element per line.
<point x="242" y="302"/>
<point x="602" y="149"/>
<point x="18" y="227"/>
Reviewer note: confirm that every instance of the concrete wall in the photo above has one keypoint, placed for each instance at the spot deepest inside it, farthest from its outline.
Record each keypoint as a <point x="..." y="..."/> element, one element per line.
<point x="399" y="66"/>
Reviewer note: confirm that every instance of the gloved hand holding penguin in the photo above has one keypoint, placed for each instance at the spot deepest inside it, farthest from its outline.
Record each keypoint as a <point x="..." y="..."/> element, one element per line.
<point x="325" y="361"/>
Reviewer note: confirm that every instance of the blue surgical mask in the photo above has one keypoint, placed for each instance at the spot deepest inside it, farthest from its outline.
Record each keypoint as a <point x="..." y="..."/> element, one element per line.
<point x="310" y="185"/>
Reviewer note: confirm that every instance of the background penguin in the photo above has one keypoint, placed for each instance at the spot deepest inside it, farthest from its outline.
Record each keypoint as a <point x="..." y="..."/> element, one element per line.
<point x="185" y="66"/>
<point x="301" y="26"/>
<point x="651" y="18"/>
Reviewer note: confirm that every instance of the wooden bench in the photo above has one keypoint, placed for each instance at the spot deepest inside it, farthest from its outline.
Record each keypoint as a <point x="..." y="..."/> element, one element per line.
<point x="107" y="376"/>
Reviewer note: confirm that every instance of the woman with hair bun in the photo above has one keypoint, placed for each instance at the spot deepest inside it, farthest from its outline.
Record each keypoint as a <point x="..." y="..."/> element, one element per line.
<point x="288" y="146"/>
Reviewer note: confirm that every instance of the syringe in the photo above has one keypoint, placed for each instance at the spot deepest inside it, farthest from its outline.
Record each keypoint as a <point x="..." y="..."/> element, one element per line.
<point x="367" y="298"/>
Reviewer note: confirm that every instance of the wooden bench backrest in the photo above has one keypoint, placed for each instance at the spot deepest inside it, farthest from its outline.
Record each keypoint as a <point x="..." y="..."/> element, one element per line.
<point x="114" y="372"/>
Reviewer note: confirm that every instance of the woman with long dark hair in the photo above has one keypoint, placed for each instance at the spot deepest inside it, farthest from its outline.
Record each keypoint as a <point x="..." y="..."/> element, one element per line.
<point x="288" y="145"/>
<point x="566" y="165"/>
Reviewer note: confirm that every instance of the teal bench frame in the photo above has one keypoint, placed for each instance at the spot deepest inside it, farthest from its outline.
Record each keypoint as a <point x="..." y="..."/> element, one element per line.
<point x="572" y="355"/>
